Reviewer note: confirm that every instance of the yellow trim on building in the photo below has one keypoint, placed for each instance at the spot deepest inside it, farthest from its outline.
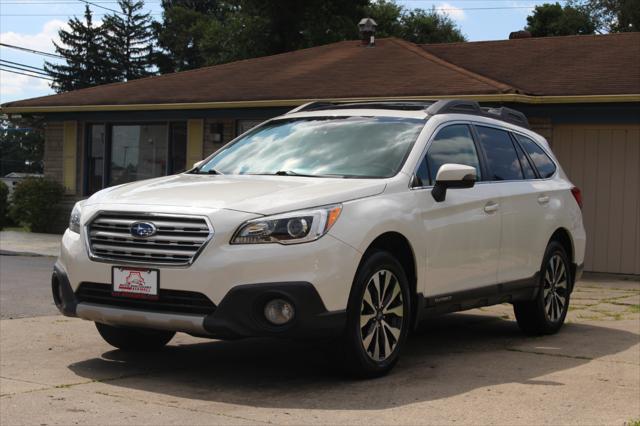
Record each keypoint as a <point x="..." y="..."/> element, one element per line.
<point x="195" y="141"/>
<point x="506" y="97"/>
<point x="69" y="156"/>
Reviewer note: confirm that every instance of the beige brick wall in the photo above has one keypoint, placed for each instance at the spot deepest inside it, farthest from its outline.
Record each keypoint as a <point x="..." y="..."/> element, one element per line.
<point x="54" y="135"/>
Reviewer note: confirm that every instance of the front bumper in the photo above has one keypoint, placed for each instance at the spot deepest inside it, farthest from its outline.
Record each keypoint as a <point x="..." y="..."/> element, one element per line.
<point x="238" y="315"/>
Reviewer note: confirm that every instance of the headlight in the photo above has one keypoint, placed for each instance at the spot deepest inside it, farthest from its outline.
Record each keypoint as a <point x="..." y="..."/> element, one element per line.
<point x="288" y="228"/>
<point x="74" y="219"/>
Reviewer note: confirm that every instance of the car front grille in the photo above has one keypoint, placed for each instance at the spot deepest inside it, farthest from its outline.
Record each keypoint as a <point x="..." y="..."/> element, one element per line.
<point x="177" y="240"/>
<point x="176" y="301"/>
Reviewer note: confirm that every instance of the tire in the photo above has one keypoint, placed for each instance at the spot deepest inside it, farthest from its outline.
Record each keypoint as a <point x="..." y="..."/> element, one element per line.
<point x="547" y="312"/>
<point x="131" y="339"/>
<point x="376" y="330"/>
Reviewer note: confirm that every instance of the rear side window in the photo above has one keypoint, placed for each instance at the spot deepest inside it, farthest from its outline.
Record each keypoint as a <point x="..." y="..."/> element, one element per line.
<point x="544" y="164"/>
<point x="452" y="144"/>
<point x="502" y="159"/>
<point x="526" y="165"/>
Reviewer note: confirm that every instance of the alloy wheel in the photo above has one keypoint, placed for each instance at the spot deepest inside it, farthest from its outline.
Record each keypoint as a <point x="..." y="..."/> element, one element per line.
<point x="381" y="315"/>
<point x="556" y="288"/>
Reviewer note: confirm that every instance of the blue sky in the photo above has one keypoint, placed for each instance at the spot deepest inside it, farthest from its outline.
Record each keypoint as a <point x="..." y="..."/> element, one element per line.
<point x="34" y="24"/>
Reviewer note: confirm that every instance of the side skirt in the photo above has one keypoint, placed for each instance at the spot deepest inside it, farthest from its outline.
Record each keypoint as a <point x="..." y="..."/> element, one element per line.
<point x="509" y="292"/>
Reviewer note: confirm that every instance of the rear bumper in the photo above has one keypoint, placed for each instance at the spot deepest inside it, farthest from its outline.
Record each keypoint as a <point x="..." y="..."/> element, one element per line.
<point x="239" y="314"/>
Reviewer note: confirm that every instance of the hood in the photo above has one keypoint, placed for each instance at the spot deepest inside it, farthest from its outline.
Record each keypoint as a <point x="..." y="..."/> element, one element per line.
<point x="252" y="194"/>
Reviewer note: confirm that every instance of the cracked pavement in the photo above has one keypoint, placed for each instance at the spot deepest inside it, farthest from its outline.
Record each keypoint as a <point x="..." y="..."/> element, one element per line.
<point x="467" y="368"/>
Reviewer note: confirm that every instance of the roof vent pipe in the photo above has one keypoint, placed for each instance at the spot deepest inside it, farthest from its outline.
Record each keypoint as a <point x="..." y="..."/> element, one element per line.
<point x="367" y="27"/>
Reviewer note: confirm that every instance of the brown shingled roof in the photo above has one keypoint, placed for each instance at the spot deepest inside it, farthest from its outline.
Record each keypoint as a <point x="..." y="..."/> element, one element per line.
<point x="580" y="65"/>
<point x="573" y="65"/>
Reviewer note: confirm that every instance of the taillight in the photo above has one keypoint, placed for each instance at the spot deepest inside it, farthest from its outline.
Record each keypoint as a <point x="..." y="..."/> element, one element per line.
<point x="577" y="194"/>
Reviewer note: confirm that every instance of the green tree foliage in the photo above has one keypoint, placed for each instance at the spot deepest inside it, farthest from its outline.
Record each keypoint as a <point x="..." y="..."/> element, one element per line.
<point x="612" y="15"/>
<point x="83" y="49"/>
<point x="429" y="26"/>
<point x="555" y="20"/>
<point x="186" y="32"/>
<point x="35" y="202"/>
<point x="129" y="40"/>
<point x="197" y="33"/>
<point x="21" y="149"/>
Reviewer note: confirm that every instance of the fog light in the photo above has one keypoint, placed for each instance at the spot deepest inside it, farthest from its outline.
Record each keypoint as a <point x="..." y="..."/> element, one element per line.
<point x="278" y="311"/>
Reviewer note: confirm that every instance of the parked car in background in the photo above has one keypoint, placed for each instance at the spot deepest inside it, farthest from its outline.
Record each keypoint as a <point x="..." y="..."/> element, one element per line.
<point x="350" y="222"/>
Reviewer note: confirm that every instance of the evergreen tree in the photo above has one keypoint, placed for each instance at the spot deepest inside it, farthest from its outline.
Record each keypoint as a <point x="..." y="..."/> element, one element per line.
<point x="129" y="39"/>
<point x="82" y="49"/>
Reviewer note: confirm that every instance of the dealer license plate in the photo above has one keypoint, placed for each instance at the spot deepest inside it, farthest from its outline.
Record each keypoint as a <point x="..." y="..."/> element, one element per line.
<point x="135" y="282"/>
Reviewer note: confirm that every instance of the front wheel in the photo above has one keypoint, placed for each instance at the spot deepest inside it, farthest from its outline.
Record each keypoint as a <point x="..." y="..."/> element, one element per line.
<point x="131" y="339"/>
<point x="378" y="316"/>
<point x="547" y="312"/>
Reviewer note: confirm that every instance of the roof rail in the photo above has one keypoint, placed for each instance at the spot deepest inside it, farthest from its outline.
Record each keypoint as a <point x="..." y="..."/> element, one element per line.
<point x="458" y="106"/>
<point x="446" y="106"/>
<point x="411" y="105"/>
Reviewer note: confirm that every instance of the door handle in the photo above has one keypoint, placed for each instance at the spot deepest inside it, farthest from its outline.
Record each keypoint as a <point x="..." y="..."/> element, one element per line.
<point x="491" y="207"/>
<point x="543" y="199"/>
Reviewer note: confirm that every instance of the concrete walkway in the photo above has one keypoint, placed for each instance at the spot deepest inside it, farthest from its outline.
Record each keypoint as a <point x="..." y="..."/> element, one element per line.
<point x="29" y="243"/>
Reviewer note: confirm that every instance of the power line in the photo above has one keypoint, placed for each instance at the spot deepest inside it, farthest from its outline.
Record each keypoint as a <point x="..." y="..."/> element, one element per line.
<point x="38" y="52"/>
<point x="21" y="65"/>
<point x="101" y="7"/>
<point x="28" y="75"/>
<point x="24" y="69"/>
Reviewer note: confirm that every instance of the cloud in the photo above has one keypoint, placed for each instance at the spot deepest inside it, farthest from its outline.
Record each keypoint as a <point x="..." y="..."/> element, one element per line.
<point x="39" y="41"/>
<point x="454" y="12"/>
<point x="15" y="86"/>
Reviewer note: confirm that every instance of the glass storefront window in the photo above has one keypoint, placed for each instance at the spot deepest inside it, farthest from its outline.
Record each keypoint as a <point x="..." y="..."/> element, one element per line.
<point x="95" y="160"/>
<point x="138" y="152"/>
<point x="121" y="153"/>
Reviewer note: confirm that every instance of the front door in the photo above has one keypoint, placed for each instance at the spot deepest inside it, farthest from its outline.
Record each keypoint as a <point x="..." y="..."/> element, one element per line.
<point x="462" y="233"/>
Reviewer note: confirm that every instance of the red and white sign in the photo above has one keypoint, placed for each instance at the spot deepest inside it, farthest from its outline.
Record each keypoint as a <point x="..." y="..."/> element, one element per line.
<point x="134" y="282"/>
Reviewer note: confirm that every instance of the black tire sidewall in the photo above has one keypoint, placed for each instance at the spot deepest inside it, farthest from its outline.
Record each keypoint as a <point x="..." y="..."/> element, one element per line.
<point x="355" y="352"/>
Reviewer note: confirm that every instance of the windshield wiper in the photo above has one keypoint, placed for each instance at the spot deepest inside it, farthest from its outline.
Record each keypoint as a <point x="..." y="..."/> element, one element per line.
<point x="292" y="173"/>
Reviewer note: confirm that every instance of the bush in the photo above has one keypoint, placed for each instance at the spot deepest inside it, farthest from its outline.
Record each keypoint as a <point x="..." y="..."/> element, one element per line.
<point x="35" y="203"/>
<point x="4" y="204"/>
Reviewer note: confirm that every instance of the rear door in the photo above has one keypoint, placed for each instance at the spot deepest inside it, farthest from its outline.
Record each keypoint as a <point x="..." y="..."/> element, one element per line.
<point x="462" y="232"/>
<point x="523" y="202"/>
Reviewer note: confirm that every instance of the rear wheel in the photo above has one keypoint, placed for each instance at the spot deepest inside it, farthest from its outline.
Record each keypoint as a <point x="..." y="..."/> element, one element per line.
<point x="134" y="339"/>
<point x="547" y="312"/>
<point x="378" y="316"/>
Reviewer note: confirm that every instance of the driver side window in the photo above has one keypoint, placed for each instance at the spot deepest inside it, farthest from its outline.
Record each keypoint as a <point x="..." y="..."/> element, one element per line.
<point x="452" y="144"/>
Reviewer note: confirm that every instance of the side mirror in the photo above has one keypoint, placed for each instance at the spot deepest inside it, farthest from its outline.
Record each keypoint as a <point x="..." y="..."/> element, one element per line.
<point x="452" y="176"/>
<point x="197" y="164"/>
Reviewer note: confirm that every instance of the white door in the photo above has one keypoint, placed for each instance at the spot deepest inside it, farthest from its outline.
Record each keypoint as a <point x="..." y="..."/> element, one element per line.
<point x="523" y="204"/>
<point x="462" y="232"/>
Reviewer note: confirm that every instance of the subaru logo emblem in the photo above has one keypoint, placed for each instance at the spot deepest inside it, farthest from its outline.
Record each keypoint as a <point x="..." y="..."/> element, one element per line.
<point x="143" y="229"/>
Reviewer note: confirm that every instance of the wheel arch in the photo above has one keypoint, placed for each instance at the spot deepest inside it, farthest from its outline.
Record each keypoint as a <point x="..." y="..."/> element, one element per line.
<point x="563" y="236"/>
<point x="400" y="247"/>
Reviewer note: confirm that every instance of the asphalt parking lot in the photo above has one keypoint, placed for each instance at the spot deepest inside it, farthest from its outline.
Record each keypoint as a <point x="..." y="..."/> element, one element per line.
<point x="469" y="368"/>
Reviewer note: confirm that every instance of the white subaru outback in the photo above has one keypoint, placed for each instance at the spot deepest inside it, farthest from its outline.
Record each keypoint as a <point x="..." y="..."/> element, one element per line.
<point x="351" y="222"/>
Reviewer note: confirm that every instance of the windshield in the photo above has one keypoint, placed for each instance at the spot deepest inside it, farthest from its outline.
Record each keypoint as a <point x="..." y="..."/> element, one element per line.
<point x="373" y="147"/>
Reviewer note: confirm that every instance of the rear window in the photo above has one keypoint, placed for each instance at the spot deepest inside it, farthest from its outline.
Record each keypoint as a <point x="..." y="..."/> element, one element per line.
<point x="544" y="164"/>
<point x="501" y="154"/>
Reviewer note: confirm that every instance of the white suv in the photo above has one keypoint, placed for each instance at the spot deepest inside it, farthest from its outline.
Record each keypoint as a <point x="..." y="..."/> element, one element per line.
<point x="348" y="221"/>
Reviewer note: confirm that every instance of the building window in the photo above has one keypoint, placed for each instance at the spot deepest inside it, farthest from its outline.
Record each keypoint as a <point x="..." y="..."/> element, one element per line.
<point x="120" y="153"/>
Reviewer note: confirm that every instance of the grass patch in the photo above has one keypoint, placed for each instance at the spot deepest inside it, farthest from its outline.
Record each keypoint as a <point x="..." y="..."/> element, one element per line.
<point x="635" y="309"/>
<point x="635" y="422"/>
<point x="17" y="229"/>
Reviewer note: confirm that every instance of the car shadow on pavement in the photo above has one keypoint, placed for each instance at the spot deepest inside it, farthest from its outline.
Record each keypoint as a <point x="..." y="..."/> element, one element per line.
<point x="453" y="355"/>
